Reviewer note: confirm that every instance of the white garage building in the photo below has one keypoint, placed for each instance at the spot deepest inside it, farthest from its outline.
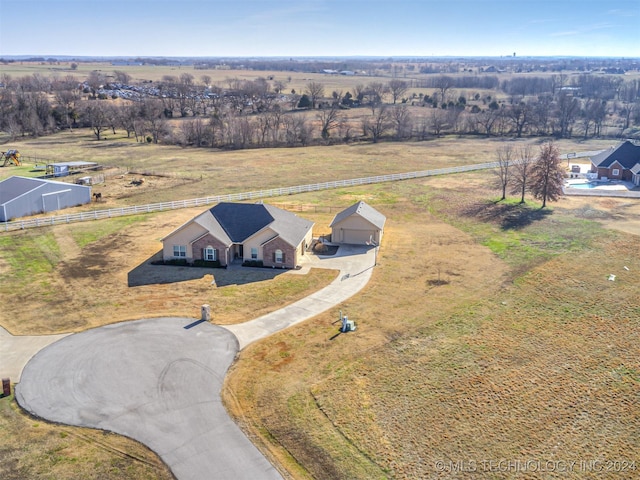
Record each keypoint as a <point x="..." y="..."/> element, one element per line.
<point x="360" y="224"/>
<point x="22" y="196"/>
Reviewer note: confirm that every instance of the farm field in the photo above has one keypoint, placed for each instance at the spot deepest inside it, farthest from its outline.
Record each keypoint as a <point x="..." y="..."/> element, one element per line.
<point x="293" y="79"/>
<point x="487" y="331"/>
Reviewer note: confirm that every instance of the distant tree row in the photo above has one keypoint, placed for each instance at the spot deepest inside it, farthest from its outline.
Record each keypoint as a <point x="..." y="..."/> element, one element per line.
<point x="240" y="113"/>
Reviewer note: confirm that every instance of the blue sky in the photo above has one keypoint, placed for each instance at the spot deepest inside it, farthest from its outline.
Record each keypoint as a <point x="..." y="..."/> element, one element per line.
<point x="320" y="27"/>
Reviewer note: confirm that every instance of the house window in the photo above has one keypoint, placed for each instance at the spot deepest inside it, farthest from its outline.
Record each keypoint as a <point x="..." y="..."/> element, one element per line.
<point x="615" y="172"/>
<point x="254" y="253"/>
<point x="179" y="251"/>
<point x="279" y="256"/>
<point x="210" y="254"/>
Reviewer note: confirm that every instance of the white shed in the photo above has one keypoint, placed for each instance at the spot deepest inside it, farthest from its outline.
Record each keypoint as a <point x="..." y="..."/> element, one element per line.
<point x="360" y="224"/>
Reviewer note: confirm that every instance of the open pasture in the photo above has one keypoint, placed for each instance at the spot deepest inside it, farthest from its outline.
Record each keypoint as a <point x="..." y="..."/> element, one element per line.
<point x="464" y="322"/>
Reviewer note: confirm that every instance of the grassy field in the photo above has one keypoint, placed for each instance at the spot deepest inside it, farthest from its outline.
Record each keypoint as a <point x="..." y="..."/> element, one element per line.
<point x="533" y="361"/>
<point x="31" y="448"/>
<point x="192" y="172"/>
<point x="488" y="331"/>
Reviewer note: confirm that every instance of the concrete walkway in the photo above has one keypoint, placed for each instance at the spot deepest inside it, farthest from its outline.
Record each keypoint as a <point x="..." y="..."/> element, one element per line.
<point x="159" y="380"/>
<point x="15" y="351"/>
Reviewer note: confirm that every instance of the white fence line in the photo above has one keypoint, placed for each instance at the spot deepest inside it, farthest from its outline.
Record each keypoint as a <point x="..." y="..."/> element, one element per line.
<point x="233" y="197"/>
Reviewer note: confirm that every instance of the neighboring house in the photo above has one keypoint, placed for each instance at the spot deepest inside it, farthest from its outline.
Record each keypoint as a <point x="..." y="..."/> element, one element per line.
<point x="359" y="224"/>
<point x="619" y="163"/>
<point x="22" y="196"/>
<point x="241" y="231"/>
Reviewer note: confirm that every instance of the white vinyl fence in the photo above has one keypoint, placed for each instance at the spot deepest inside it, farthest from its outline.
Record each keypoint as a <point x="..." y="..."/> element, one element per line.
<point x="234" y="197"/>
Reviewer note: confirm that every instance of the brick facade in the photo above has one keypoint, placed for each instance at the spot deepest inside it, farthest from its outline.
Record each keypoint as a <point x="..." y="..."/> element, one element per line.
<point x="208" y="240"/>
<point x="269" y="252"/>
<point x="608" y="172"/>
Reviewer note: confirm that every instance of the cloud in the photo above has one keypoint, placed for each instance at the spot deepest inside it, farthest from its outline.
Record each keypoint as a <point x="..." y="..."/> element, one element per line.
<point x="584" y="30"/>
<point x="618" y="12"/>
<point x="565" y="34"/>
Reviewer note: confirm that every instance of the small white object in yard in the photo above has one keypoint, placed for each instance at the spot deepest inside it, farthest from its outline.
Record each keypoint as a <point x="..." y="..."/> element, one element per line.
<point x="626" y="268"/>
<point x="612" y="277"/>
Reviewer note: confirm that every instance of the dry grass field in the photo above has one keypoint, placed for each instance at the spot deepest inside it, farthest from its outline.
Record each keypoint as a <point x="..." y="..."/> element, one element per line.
<point x="31" y="448"/>
<point x="193" y="172"/>
<point x="534" y="360"/>
<point x="488" y="331"/>
<point x="89" y="274"/>
<point x="220" y="77"/>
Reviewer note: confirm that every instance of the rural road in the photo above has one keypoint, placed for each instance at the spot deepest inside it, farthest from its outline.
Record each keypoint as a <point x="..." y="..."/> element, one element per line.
<point x="159" y="380"/>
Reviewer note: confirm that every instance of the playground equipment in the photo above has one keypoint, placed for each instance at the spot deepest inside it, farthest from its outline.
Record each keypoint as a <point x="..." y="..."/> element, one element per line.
<point x="11" y="157"/>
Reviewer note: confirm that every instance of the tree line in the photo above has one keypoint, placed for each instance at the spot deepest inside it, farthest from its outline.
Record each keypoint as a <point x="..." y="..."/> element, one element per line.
<point x="265" y="112"/>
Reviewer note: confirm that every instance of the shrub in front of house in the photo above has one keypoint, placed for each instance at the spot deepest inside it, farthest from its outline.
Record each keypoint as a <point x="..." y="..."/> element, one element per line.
<point x="180" y="262"/>
<point x="252" y="263"/>
<point x="207" y="263"/>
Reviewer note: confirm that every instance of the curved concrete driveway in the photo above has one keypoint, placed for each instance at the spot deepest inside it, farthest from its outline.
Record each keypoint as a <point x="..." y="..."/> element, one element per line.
<point x="158" y="381"/>
<point x="152" y="380"/>
<point x="355" y="264"/>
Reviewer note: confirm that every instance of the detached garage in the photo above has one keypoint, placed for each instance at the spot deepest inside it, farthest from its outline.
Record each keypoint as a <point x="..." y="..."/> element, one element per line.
<point x="360" y="224"/>
<point x="21" y="196"/>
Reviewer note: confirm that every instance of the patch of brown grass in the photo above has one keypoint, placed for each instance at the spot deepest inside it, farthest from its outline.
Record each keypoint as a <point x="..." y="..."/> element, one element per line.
<point x="469" y="368"/>
<point x="275" y="396"/>
<point x="548" y="373"/>
<point x="31" y="448"/>
<point x="88" y="285"/>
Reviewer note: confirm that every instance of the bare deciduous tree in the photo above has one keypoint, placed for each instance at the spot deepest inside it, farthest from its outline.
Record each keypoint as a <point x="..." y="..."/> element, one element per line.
<point x="375" y="92"/>
<point x="519" y="114"/>
<point x="397" y="88"/>
<point x="487" y="119"/>
<point x="547" y="175"/>
<point x="279" y="86"/>
<point x="437" y="122"/>
<point x="377" y="124"/>
<point x="503" y="172"/>
<point x="95" y="81"/>
<point x="297" y="130"/>
<point x="330" y="119"/>
<point x="315" y="91"/>
<point x="122" y="77"/>
<point x="67" y="100"/>
<point x="567" y="109"/>
<point x="402" y="121"/>
<point x="521" y="171"/>
<point x="443" y="83"/>
<point x="94" y="113"/>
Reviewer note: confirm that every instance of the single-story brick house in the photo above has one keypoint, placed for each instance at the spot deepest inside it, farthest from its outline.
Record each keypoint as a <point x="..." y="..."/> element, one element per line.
<point x="243" y="232"/>
<point x="619" y="163"/>
<point x="359" y="224"/>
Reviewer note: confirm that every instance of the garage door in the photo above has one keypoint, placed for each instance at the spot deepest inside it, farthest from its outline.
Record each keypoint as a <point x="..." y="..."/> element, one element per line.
<point x="359" y="237"/>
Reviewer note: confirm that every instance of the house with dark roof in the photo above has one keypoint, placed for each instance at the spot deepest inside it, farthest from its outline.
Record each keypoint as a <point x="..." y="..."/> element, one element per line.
<point x="23" y="196"/>
<point x="243" y="232"/>
<point x="619" y="163"/>
<point x="359" y="224"/>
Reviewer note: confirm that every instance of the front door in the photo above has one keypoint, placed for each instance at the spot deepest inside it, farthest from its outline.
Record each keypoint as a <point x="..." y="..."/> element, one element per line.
<point x="241" y="252"/>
